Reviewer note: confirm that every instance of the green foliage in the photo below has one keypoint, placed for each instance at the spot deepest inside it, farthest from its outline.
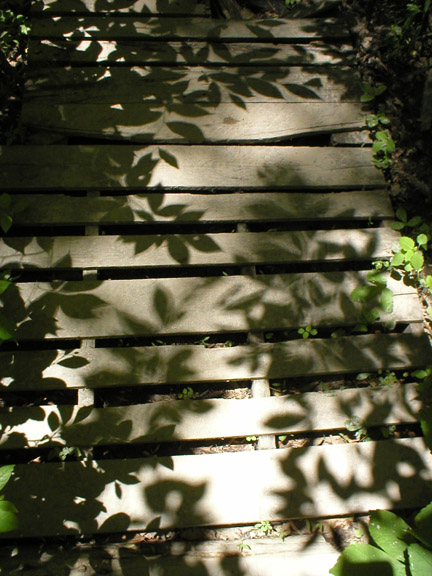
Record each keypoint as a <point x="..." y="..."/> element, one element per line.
<point x="13" y="27"/>
<point x="7" y="327"/>
<point x="398" y="549"/>
<point x="243" y="547"/>
<point x="307" y="332"/>
<point x="8" y="512"/>
<point x="371" y="92"/>
<point x="264" y="527"/>
<point x="186" y="394"/>
<point x="8" y="209"/>
<point x="355" y="425"/>
<point x="383" y="148"/>
<point x="408" y="255"/>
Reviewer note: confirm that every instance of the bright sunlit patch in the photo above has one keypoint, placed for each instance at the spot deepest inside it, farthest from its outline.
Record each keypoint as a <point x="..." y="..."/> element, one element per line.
<point x="116" y="107"/>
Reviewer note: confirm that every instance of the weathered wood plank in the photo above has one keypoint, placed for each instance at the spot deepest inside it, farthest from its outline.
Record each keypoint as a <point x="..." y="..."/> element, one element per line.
<point x="223" y="123"/>
<point x="113" y="496"/>
<point x="166" y="207"/>
<point x="120" y="27"/>
<point x="42" y="168"/>
<point x="296" y="555"/>
<point x="196" y="249"/>
<point x="195" y="305"/>
<point x="192" y="85"/>
<point x="186" y="364"/>
<point x="85" y="52"/>
<point x="49" y="426"/>
<point x="167" y="7"/>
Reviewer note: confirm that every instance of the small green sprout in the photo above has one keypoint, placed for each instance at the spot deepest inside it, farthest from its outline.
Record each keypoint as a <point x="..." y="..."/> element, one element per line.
<point x="307" y="332"/>
<point x="186" y="394"/>
<point x="264" y="527"/>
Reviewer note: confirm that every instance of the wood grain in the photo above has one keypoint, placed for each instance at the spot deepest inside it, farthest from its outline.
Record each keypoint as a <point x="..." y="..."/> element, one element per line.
<point x="120" y="27"/>
<point x="168" y="207"/>
<point x="116" y="495"/>
<point x="198" y="249"/>
<point x="192" y="364"/>
<point x="196" y="305"/>
<point x="183" y="420"/>
<point x="130" y="52"/>
<point x="92" y="167"/>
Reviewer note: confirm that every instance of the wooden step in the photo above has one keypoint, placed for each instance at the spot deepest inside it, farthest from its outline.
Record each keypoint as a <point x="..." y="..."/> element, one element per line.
<point x="190" y="123"/>
<point x="299" y="555"/>
<point x="116" y="308"/>
<point x="56" y="210"/>
<point x="68" y="7"/>
<point x="195" y="28"/>
<point x="220" y="489"/>
<point x="191" y="85"/>
<point x="193" y="364"/>
<point x="185" y="420"/>
<point x="93" y="167"/>
<point x="129" y="52"/>
<point x="210" y="250"/>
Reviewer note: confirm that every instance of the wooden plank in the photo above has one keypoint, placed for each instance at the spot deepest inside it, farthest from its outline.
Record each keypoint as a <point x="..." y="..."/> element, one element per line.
<point x="142" y="27"/>
<point x="187" y="364"/>
<point x="295" y="555"/>
<point x="230" y="123"/>
<point x="85" y="52"/>
<point x="93" y="167"/>
<point x="196" y="249"/>
<point x="168" y="306"/>
<point x="49" y="426"/>
<point x="180" y="85"/>
<point x="178" y="7"/>
<point x="224" y="489"/>
<point x="166" y="207"/>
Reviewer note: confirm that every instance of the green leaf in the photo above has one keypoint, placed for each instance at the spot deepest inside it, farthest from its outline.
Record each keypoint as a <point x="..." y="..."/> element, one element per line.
<point x="415" y="221"/>
<point x="397" y="260"/>
<point x="420" y="560"/>
<point x="422" y="239"/>
<point x="401" y="214"/>
<point x="423" y="525"/>
<point x="406" y="243"/>
<point x="417" y="261"/>
<point x="4" y="285"/>
<point x="364" y="559"/>
<point x="5" y="474"/>
<point x="8" y="518"/>
<point x="5" y="222"/>
<point x="390" y="533"/>
<point x="397" y="225"/>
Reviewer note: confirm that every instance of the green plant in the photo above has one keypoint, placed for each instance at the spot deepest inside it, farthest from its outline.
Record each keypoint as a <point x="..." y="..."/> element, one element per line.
<point x="8" y="512"/>
<point x="14" y="27"/>
<point x="408" y="255"/>
<point x="186" y="394"/>
<point x="383" y="148"/>
<point x="251" y="438"/>
<point x="264" y="527"/>
<point x="371" y="92"/>
<point x="308" y="331"/>
<point x="360" y="432"/>
<point x="204" y="341"/>
<point x="7" y="328"/>
<point x="397" y="548"/>
<point x="243" y="547"/>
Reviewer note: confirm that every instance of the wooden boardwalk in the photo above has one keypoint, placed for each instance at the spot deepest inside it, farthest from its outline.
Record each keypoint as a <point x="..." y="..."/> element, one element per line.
<point x="194" y="192"/>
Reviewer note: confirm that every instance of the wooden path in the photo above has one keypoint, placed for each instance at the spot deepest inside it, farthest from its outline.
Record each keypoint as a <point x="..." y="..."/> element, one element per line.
<point x="195" y="191"/>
